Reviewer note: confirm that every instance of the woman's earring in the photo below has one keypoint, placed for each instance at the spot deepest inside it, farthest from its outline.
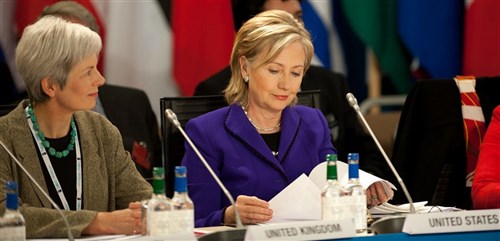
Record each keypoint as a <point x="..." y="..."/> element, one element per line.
<point x="246" y="79"/>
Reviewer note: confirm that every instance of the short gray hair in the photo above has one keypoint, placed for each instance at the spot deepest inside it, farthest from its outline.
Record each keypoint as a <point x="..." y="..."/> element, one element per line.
<point x="51" y="47"/>
<point x="268" y="32"/>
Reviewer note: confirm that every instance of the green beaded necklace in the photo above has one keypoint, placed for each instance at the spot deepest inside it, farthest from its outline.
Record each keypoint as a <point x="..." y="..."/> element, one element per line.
<point x="46" y="144"/>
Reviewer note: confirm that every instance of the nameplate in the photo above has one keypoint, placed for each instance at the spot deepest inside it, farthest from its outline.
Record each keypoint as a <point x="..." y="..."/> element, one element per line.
<point x="451" y="222"/>
<point x="303" y="230"/>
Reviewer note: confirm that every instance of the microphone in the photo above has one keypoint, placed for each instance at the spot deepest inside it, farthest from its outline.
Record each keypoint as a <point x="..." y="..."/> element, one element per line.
<point x="70" y="235"/>
<point x="354" y="104"/>
<point x="173" y="119"/>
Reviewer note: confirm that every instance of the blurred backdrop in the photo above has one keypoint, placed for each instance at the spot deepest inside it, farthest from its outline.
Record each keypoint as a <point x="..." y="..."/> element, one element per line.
<point x="382" y="46"/>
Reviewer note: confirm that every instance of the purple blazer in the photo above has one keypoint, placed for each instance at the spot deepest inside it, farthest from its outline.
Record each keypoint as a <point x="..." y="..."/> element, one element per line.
<point x="243" y="161"/>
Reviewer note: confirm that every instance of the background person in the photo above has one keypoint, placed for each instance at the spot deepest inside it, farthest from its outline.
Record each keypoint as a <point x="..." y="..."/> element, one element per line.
<point x="486" y="184"/>
<point x="261" y="142"/>
<point x="53" y="132"/>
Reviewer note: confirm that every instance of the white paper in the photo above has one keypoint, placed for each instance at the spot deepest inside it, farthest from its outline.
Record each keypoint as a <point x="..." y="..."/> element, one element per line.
<point x="387" y="208"/>
<point x="301" y="200"/>
<point x="318" y="176"/>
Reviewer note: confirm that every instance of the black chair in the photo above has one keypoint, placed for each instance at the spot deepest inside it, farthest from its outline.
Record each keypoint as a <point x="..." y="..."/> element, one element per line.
<point x="187" y="108"/>
<point x="429" y="150"/>
<point x="5" y="109"/>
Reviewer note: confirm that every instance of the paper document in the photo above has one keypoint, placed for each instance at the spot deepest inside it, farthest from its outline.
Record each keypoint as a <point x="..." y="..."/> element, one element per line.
<point x="318" y="176"/>
<point x="387" y="208"/>
<point x="420" y="207"/>
<point x="301" y="200"/>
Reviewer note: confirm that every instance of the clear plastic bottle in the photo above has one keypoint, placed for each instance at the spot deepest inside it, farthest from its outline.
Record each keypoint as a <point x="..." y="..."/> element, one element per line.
<point x="183" y="209"/>
<point x="357" y="194"/>
<point x="159" y="207"/>
<point x="331" y="194"/>
<point x="144" y="216"/>
<point x="12" y="224"/>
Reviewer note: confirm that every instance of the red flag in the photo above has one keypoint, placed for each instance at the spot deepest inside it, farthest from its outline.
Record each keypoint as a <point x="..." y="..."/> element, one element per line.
<point x="481" y="38"/>
<point x="27" y="12"/>
<point x="203" y="39"/>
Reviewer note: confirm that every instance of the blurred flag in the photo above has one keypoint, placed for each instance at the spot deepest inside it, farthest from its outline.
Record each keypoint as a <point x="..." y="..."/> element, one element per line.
<point x="432" y="32"/>
<point x="318" y="22"/>
<point x="140" y="53"/>
<point x="27" y="12"/>
<point x="139" y="50"/>
<point x="482" y="38"/>
<point x="11" y="84"/>
<point x="203" y="38"/>
<point x="335" y="45"/>
<point x="375" y="23"/>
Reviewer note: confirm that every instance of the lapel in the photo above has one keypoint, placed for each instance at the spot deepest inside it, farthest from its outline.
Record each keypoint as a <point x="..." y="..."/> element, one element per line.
<point x="290" y="124"/>
<point x="25" y="148"/>
<point x="238" y="125"/>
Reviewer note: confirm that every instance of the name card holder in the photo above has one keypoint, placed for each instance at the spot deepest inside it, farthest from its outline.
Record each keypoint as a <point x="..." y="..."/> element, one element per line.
<point x="303" y="230"/>
<point x="453" y="222"/>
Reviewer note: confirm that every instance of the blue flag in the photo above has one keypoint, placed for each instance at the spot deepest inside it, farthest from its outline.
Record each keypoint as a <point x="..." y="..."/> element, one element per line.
<point x="432" y="32"/>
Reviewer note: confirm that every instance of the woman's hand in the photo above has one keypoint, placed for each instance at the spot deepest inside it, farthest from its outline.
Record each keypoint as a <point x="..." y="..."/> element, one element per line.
<point x="252" y="210"/>
<point x="125" y="221"/>
<point x="378" y="193"/>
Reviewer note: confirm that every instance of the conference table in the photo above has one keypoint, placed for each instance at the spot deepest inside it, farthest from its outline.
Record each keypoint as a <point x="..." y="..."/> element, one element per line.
<point x="484" y="235"/>
<point x="456" y="226"/>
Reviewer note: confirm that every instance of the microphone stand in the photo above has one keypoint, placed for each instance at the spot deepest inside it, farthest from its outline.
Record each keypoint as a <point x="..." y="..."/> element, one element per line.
<point x="354" y="104"/>
<point x="231" y="234"/>
<point x="70" y="235"/>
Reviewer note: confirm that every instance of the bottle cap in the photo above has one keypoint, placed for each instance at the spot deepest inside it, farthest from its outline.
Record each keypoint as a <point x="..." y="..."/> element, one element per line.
<point x="353" y="160"/>
<point x="11" y="201"/>
<point x="331" y="167"/>
<point x="180" y="170"/>
<point x="180" y="184"/>
<point x="353" y="156"/>
<point x="11" y="185"/>
<point x="158" y="172"/>
<point x="158" y="180"/>
<point x="331" y="157"/>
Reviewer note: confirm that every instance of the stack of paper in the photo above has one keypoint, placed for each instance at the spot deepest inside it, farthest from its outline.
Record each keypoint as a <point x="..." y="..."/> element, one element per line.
<point x="301" y="200"/>
<point x="387" y="208"/>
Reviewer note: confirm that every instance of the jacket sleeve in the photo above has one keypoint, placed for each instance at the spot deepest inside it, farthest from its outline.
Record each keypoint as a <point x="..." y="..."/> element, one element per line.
<point x="486" y="184"/>
<point x="129" y="185"/>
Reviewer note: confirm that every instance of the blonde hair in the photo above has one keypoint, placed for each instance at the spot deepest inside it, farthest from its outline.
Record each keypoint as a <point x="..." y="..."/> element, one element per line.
<point x="268" y="32"/>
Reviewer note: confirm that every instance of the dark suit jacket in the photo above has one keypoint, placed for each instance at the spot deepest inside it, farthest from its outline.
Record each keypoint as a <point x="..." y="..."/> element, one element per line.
<point x="347" y="133"/>
<point x="429" y="151"/>
<point x="130" y="110"/>
<point x="243" y="161"/>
